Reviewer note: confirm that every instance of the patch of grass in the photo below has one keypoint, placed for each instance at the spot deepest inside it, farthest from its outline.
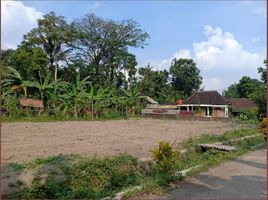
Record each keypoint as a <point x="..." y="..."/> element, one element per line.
<point x="51" y="118"/>
<point x="17" y="167"/>
<point x="92" y="178"/>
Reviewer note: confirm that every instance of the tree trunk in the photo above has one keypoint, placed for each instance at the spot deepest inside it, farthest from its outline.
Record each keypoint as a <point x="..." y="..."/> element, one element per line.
<point x="75" y="112"/>
<point x="56" y="71"/>
<point x="92" y="109"/>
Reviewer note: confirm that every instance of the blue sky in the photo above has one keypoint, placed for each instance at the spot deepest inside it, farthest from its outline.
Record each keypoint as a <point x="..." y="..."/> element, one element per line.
<point x="227" y="39"/>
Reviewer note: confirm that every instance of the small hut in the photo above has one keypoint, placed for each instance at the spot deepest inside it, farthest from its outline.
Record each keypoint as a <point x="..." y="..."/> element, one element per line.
<point x="32" y="105"/>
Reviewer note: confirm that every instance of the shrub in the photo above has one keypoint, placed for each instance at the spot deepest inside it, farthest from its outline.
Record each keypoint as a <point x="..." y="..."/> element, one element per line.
<point x="165" y="156"/>
<point x="248" y="114"/>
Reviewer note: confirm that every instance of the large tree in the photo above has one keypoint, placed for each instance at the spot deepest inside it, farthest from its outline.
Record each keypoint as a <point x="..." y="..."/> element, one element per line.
<point x="245" y="88"/>
<point x="29" y="61"/>
<point x="155" y="84"/>
<point x="53" y="34"/>
<point x="263" y="72"/>
<point x="249" y="88"/>
<point x="185" y="76"/>
<point x="103" y="44"/>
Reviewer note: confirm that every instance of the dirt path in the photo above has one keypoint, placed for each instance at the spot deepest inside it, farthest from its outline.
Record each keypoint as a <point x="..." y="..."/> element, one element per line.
<point x="244" y="178"/>
<point x="22" y="142"/>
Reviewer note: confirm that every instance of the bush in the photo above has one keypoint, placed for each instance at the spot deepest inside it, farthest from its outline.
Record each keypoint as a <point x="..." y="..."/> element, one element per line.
<point x="165" y="156"/>
<point x="96" y="178"/>
<point x="248" y="115"/>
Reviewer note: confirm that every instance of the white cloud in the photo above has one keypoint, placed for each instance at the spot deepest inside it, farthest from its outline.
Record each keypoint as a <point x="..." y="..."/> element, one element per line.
<point x="221" y="49"/>
<point x="17" y="20"/>
<point x="212" y="83"/>
<point x="221" y="58"/>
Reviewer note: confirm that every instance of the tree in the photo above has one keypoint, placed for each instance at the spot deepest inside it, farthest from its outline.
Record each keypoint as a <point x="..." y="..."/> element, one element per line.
<point x="245" y="88"/>
<point x="231" y="92"/>
<point x="185" y="76"/>
<point x="249" y="88"/>
<point x="102" y="45"/>
<point x="263" y="72"/>
<point x="53" y="34"/>
<point x="28" y="61"/>
<point x="155" y="84"/>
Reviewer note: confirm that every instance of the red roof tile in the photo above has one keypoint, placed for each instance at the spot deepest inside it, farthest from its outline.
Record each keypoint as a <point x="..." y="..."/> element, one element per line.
<point x="239" y="104"/>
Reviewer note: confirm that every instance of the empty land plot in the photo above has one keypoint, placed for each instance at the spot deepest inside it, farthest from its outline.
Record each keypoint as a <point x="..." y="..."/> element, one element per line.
<point x="24" y="141"/>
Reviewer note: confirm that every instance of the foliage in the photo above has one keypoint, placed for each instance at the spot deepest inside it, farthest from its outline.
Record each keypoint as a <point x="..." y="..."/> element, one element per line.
<point x="249" y="88"/>
<point x="156" y="84"/>
<point x="185" y="76"/>
<point x="86" y="178"/>
<point x="56" y="56"/>
<point x="263" y="72"/>
<point x="28" y="61"/>
<point x="244" y="89"/>
<point x="164" y="155"/>
<point x="102" y="46"/>
<point x="52" y="34"/>
<point x="248" y="114"/>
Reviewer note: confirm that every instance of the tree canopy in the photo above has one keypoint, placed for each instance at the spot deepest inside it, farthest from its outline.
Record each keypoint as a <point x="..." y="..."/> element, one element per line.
<point x="185" y="76"/>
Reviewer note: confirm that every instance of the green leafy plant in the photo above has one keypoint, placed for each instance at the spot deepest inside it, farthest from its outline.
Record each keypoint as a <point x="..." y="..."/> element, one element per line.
<point x="165" y="156"/>
<point x="248" y="114"/>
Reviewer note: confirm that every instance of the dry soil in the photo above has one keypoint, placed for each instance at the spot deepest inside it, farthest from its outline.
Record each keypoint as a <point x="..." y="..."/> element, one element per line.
<point x="24" y="141"/>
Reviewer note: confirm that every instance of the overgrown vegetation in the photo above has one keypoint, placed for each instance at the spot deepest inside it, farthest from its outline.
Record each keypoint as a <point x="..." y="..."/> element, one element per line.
<point x="251" y="88"/>
<point x="75" y="177"/>
<point x="84" y="69"/>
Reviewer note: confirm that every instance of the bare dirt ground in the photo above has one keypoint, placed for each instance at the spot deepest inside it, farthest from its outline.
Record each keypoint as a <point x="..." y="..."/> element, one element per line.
<point x="24" y="141"/>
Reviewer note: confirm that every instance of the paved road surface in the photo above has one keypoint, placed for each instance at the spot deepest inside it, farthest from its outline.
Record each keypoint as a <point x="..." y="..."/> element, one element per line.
<point x="243" y="178"/>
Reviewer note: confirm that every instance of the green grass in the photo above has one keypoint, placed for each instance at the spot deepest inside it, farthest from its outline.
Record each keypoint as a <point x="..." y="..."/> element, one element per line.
<point x="95" y="178"/>
<point x="48" y="118"/>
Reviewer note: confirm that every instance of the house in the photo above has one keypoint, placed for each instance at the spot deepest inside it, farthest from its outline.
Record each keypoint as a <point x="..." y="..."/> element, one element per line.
<point x="206" y="104"/>
<point x="239" y="104"/>
<point x="199" y="104"/>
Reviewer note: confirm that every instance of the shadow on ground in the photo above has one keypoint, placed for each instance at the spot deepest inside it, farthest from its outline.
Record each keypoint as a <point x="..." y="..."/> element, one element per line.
<point x="209" y="187"/>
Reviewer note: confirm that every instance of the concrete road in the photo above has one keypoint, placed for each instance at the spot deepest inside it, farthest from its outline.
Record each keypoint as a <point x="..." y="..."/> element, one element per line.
<point x="243" y="178"/>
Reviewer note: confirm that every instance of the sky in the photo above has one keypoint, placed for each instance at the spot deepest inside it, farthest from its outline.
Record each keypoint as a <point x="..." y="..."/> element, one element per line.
<point x="226" y="39"/>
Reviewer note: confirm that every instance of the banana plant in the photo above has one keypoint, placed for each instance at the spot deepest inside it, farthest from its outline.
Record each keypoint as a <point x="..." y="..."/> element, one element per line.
<point x="132" y="98"/>
<point x="13" y="79"/>
<point x="59" y="87"/>
<point x="91" y="98"/>
<point x="42" y="86"/>
<point x="76" y="95"/>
